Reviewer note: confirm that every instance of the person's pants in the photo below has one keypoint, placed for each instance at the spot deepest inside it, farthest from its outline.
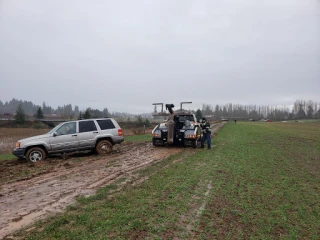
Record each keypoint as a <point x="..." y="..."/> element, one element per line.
<point x="204" y="138"/>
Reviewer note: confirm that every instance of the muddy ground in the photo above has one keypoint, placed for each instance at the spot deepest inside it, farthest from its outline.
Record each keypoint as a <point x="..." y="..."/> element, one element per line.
<point x="25" y="198"/>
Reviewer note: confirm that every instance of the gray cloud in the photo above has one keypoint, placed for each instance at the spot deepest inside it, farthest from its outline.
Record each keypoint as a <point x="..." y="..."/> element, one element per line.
<point x="125" y="55"/>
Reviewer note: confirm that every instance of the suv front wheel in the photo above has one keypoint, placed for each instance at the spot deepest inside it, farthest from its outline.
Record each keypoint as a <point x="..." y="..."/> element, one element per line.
<point x="35" y="154"/>
<point x="104" y="147"/>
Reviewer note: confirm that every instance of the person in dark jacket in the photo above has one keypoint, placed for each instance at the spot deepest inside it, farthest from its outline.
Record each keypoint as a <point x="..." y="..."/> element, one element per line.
<point x="206" y="131"/>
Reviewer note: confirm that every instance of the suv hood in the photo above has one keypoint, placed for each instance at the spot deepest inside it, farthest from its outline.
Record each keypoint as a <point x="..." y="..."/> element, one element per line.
<point x="34" y="138"/>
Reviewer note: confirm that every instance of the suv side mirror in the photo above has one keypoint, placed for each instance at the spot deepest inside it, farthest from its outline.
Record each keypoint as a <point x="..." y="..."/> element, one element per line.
<point x="55" y="134"/>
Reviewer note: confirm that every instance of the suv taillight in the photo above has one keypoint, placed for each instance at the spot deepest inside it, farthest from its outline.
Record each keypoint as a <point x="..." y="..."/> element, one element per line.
<point x="120" y="133"/>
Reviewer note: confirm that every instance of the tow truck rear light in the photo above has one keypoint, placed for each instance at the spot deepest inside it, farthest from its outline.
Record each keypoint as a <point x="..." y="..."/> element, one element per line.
<point x="120" y="133"/>
<point x="155" y="135"/>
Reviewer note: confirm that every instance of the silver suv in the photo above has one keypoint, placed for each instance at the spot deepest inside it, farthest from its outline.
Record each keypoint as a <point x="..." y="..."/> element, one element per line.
<point x="90" y="134"/>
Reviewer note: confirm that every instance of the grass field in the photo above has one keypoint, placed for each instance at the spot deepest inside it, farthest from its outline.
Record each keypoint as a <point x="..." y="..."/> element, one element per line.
<point x="260" y="181"/>
<point x="7" y="156"/>
<point x="139" y="138"/>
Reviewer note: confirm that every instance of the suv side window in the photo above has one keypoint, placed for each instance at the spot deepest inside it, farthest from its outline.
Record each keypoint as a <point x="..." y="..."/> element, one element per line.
<point x="87" y="126"/>
<point x="105" y="124"/>
<point x="67" y="128"/>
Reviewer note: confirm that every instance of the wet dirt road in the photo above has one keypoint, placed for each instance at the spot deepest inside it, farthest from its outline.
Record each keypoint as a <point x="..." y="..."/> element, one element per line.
<point x="22" y="202"/>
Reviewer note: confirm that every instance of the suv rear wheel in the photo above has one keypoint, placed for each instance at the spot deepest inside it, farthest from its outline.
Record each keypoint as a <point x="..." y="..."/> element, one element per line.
<point x="35" y="154"/>
<point x="104" y="147"/>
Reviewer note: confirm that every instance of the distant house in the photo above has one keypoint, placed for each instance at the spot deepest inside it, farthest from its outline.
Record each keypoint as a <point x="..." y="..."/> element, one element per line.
<point x="7" y="116"/>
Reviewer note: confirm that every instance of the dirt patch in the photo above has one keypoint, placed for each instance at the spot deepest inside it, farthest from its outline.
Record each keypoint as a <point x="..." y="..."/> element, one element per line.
<point x="23" y="201"/>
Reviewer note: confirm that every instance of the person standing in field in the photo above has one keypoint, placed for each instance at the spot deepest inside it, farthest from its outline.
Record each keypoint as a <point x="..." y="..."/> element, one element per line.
<point x="206" y="131"/>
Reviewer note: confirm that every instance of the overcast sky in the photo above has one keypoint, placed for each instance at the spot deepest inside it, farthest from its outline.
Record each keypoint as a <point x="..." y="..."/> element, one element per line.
<point x="126" y="55"/>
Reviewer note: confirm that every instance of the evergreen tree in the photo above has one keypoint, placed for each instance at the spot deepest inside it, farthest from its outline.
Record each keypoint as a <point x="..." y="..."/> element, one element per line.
<point x="207" y="109"/>
<point x="20" y="117"/>
<point x="199" y="115"/>
<point x="67" y="110"/>
<point x="76" y="110"/>
<point x="301" y="113"/>
<point x="80" y="116"/>
<point x="147" y="122"/>
<point x="105" y="112"/>
<point x="217" y="112"/>
<point x="39" y="114"/>
<point x="46" y="109"/>
<point x="87" y="114"/>
<point x="310" y="112"/>
<point x="96" y="113"/>
<point x="139" y="121"/>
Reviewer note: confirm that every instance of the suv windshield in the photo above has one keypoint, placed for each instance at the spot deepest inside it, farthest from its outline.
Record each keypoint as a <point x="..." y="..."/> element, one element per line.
<point x="55" y="128"/>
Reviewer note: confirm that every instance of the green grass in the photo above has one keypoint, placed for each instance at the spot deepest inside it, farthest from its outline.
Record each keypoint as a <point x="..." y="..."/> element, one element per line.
<point x="139" y="138"/>
<point x="260" y="181"/>
<point x="7" y="156"/>
<point x="268" y="182"/>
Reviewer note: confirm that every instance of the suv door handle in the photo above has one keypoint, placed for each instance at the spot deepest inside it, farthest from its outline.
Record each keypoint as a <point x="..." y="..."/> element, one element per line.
<point x="74" y="135"/>
<point x="95" y="132"/>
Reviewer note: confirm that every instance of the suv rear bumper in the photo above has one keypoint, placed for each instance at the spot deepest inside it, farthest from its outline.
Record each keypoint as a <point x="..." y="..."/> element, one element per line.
<point x="19" y="152"/>
<point x="117" y="139"/>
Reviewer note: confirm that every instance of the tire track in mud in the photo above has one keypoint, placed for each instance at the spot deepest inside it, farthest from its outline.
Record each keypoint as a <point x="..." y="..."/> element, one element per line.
<point x="22" y="202"/>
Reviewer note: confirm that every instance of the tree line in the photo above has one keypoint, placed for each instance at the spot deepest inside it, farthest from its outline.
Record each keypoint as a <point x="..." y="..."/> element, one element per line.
<point x="65" y="111"/>
<point x="23" y="109"/>
<point x="301" y="110"/>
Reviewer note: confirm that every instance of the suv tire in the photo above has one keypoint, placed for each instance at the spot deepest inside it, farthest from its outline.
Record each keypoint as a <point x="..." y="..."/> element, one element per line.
<point x="36" y="154"/>
<point x="104" y="147"/>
